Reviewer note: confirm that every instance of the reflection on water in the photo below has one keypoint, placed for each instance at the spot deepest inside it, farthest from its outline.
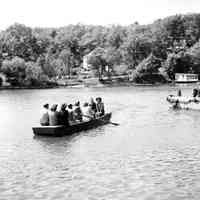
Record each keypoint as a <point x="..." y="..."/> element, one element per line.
<point x="153" y="154"/>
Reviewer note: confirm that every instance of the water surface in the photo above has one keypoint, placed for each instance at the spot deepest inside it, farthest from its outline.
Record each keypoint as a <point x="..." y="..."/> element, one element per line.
<point x="153" y="154"/>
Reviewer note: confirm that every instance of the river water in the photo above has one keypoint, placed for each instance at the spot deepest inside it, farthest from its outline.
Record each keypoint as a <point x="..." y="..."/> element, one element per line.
<point x="153" y="154"/>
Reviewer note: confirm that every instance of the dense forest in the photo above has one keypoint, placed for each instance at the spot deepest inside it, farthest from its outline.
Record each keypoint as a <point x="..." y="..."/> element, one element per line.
<point x="34" y="56"/>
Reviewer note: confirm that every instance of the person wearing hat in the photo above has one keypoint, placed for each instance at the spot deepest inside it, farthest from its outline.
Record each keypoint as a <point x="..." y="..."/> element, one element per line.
<point x="77" y="112"/>
<point x="44" y="120"/>
<point x="63" y="115"/>
<point x="53" y="115"/>
<point x="100" y="107"/>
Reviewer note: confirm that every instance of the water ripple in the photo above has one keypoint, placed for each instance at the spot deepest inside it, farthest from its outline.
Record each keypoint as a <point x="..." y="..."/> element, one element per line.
<point x="153" y="154"/>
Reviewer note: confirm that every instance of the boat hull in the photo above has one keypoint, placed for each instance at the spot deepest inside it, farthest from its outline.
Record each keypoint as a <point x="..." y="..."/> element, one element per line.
<point x="58" y="131"/>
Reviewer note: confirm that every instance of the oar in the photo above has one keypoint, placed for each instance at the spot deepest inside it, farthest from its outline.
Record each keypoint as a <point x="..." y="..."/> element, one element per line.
<point x="115" y="124"/>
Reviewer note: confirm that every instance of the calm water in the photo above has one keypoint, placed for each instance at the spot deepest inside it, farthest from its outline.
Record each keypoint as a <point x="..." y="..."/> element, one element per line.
<point x="153" y="154"/>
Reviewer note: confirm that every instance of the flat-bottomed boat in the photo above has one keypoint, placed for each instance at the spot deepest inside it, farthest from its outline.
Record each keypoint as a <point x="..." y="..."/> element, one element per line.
<point x="56" y="131"/>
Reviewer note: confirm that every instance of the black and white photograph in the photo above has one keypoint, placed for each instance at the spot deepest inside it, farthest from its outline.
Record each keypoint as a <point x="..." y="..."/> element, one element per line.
<point x="100" y="100"/>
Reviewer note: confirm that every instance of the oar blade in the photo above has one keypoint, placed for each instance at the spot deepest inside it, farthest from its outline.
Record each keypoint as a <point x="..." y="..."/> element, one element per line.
<point x="115" y="124"/>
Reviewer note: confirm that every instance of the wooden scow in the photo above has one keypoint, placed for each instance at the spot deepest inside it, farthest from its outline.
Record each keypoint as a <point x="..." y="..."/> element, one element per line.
<point x="58" y="131"/>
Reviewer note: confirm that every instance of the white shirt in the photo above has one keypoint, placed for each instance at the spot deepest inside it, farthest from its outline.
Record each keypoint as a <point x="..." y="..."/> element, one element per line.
<point x="86" y="112"/>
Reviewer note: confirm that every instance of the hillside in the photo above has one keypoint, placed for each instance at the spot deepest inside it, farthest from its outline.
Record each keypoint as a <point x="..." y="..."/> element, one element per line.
<point x="35" y="56"/>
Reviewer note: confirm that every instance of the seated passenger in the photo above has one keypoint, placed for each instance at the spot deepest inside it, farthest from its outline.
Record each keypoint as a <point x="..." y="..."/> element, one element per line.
<point x="71" y="113"/>
<point x="179" y="93"/>
<point x="100" y="107"/>
<point x="195" y="95"/>
<point x="53" y="116"/>
<point x="44" y="121"/>
<point x="77" y="112"/>
<point x="87" y="112"/>
<point x="176" y="105"/>
<point x="63" y="115"/>
<point x="93" y="105"/>
<point x="92" y="111"/>
<point x="195" y="92"/>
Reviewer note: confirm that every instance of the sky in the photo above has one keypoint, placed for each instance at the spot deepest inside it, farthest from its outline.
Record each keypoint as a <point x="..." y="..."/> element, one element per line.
<point x="57" y="13"/>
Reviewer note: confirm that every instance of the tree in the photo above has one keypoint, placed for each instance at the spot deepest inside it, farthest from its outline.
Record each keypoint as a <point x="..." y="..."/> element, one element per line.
<point x="116" y="36"/>
<point x="14" y="69"/>
<point x="177" y="63"/>
<point x="175" y="27"/>
<point x="112" y="56"/>
<point x="46" y="66"/>
<point x="97" y="61"/>
<point x="34" y="74"/>
<point x="66" y="58"/>
<point x="194" y="53"/>
<point x="149" y="65"/>
<point x="19" y="41"/>
<point x="148" y="71"/>
<point x="135" y="49"/>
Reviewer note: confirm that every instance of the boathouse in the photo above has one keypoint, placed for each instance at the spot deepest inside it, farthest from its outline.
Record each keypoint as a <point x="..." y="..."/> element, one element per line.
<point x="186" y="78"/>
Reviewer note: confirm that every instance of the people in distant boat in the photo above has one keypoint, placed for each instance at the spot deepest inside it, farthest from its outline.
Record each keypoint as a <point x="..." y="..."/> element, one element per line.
<point x="44" y="121"/>
<point x="70" y="113"/>
<point x="87" y="112"/>
<point x="63" y="115"/>
<point x="93" y="105"/>
<point x="77" y="112"/>
<point x="100" y="107"/>
<point x="176" y="105"/>
<point x="92" y="111"/>
<point x="195" y="95"/>
<point x="195" y="92"/>
<point x="53" y="115"/>
<point x="179" y="93"/>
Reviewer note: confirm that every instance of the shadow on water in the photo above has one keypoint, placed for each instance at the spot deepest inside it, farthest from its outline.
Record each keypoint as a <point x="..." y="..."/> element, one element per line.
<point x="64" y="146"/>
<point x="188" y="117"/>
<point x="185" y="111"/>
<point x="54" y="140"/>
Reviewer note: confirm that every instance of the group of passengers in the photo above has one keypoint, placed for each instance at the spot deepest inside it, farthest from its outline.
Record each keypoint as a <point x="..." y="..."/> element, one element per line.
<point x="195" y="94"/>
<point x="71" y="114"/>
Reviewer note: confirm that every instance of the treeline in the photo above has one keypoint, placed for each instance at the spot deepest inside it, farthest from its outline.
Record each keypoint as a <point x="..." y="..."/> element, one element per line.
<point x="35" y="56"/>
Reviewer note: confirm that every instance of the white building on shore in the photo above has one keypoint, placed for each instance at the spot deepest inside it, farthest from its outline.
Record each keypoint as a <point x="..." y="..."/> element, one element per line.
<point x="86" y="65"/>
<point x="186" y="78"/>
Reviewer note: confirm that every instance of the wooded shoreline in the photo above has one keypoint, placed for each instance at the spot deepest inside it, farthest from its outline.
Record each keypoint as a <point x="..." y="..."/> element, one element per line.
<point x="115" y="84"/>
<point x="32" y="57"/>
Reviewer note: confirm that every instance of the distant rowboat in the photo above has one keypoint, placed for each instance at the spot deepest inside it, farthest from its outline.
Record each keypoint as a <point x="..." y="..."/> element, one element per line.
<point x="188" y="103"/>
<point x="57" y="131"/>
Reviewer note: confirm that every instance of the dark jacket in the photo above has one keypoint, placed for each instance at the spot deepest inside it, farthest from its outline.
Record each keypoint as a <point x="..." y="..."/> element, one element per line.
<point x="71" y="115"/>
<point x="63" y="117"/>
<point x="94" y="107"/>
